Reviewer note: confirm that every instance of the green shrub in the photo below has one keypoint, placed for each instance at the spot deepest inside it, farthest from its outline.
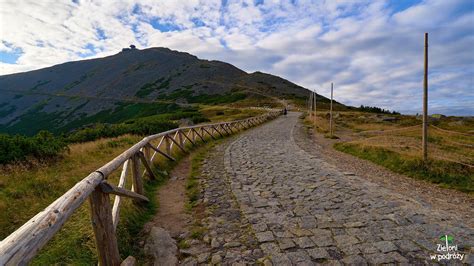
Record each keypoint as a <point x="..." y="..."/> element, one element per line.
<point x="142" y="126"/>
<point x="199" y="119"/>
<point x="43" y="145"/>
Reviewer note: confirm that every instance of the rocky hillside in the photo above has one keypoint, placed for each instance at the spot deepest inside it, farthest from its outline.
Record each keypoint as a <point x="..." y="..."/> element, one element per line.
<point x="76" y="93"/>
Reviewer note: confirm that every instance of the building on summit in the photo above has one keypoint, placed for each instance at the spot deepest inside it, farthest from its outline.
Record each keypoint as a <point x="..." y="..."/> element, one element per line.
<point x="132" y="47"/>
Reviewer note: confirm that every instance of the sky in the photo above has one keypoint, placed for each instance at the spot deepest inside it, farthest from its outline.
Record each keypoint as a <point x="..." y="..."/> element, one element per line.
<point x="371" y="50"/>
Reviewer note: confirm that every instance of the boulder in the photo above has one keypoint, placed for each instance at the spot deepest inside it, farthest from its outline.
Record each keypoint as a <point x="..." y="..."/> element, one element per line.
<point x="161" y="248"/>
<point x="129" y="261"/>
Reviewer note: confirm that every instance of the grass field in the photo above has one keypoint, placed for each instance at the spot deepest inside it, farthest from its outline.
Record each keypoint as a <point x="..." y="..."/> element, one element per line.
<point x="228" y="113"/>
<point x="394" y="141"/>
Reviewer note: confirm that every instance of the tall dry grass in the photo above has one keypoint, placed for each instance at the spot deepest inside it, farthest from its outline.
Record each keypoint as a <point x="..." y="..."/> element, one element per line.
<point x="451" y="153"/>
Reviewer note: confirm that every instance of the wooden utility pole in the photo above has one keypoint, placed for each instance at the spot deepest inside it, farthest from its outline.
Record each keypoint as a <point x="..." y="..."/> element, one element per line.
<point x="315" y="115"/>
<point x="312" y="105"/>
<point x="330" y="112"/>
<point x="425" y="103"/>
<point x="310" y="102"/>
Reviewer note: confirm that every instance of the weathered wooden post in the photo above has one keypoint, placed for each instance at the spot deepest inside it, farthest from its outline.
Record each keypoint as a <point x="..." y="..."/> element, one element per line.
<point x="147" y="153"/>
<point x="168" y="145"/>
<point x="118" y="199"/>
<point x="148" y="166"/>
<point x="425" y="103"/>
<point x="136" y="176"/>
<point x="180" y="138"/>
<point x="330" y="112"/>
<point x="104" y="231"/>
<point x="315" y="115"/>
<point x="314" y="103"/>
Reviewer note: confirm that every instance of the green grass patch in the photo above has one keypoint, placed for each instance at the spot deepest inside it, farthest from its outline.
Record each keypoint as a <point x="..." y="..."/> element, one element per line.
<point x="39" y="83"/>
<point x="77" y="82"/>
<point x="183" y="244"/>
<point x="197" y="232"/>
<point x="192" y="182"/>
<point x="148" y="88"/>
<point x="217" y="98"/>
<point x="122" y="112"/>
<point x="328" y="136"/>
<point x="447" y="174"/>
<point x="187" y="93"/>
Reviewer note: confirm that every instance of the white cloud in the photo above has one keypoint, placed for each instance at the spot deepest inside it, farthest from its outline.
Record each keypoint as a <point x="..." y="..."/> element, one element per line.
<point x="372" y="52"/>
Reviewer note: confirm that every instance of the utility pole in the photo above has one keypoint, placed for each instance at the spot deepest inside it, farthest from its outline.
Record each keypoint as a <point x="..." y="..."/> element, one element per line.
<point x="312" y="105"/>
<point x="310" y="102"/>
<point x="330" y="112"/>
<point x="425" y="103"/>
<point x="315" y="115"/>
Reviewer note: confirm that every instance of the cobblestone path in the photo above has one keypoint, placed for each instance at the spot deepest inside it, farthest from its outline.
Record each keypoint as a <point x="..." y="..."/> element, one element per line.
<point x="304" y="211"/>
<point x="229" y="239"/>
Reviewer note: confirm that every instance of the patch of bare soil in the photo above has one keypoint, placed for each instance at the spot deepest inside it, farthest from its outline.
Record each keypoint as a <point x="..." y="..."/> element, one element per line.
<point x="454" y="202"/>
<point x="171" y="213"/>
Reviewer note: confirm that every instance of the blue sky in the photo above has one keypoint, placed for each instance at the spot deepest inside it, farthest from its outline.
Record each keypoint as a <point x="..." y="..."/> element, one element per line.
<point x="371" y="50"/>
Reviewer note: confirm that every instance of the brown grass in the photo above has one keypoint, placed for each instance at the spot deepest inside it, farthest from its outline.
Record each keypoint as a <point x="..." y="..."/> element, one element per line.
<point x="402" y="136"/>
<point x="228" y="113"/>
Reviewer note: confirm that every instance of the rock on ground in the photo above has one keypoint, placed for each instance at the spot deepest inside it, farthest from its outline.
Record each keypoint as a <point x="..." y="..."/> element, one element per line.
<point x="161" y="248"/>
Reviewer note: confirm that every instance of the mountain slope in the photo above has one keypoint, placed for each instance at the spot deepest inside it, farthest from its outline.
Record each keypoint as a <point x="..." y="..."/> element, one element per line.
<point x="76" y="93"/>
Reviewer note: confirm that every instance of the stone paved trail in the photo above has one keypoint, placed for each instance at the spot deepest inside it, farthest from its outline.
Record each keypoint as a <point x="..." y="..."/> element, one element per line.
<point x="304" y="211"/>
<point x="229" y="238"/>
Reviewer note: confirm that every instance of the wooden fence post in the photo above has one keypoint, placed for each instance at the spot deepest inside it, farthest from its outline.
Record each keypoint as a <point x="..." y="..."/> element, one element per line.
<point x="167" y="145"/>
<point x="147" y="153"/>
<point x="180" y="138"/>
<point x="147" y="165"/>
<point x="136" y="176"/>
<point x="105" y="238"/>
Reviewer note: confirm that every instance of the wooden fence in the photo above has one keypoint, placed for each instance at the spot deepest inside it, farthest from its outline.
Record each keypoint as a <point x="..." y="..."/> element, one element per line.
<point x="23" y="244"/>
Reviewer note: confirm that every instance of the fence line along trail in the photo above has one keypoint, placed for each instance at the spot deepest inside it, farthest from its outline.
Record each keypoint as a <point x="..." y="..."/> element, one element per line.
<point x="21" y="246"/>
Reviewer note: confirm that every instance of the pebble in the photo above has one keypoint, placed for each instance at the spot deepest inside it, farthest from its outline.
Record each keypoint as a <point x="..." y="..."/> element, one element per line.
<point x="216" y="259"/>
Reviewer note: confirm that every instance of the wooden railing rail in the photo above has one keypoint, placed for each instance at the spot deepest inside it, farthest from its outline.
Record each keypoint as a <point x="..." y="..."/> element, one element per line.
<point x="23" y="244"/>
